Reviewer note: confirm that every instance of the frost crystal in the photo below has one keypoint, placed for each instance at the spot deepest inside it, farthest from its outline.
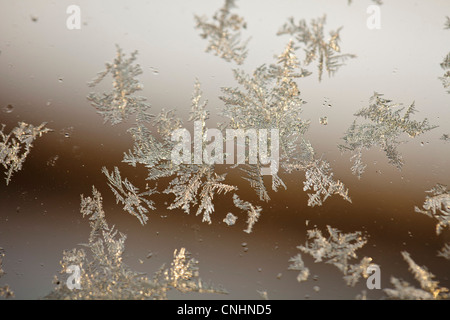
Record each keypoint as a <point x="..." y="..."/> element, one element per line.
<point x="133" y="201"/>
<point x="445" y="252"/>
<point x="15" y="146"/>
<point x="316" y="47"/>
<point x="445" y="137"/>
<point x="318" y="178"/>
<point x="270" y="99"/>
<point x="224" y="33"/>
<point x="103" y="275"/>
<point x="299" y="265"/>
<point x="5" y="291"/>
<point x="323" y="120"/>
<point x="252" y="211"/>
<point x="385" y="126"/>
<point x="429" y="288"/>
<point x="117" y="105"/>
<point x="338" y="250"/>
<point x="230" y="219"/>
<point x="437" y="206"/>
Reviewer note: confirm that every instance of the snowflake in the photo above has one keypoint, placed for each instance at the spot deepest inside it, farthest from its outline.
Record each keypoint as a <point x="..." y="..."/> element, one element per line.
<point x="117" y="105"/>
<point x="103" y="275"/>
<point x="429" y="288"/>
<point x="299" y="265"/>
<point x="383" y="130"/>
<point x="338" y="250"/>
<point x="252" y="212"/>
<point x="316" y="47"/>
<point x="133" y="201"/>
<point x="15" y="146"/>
<point x="224" y="33"/>
<point x="437" y="206"/>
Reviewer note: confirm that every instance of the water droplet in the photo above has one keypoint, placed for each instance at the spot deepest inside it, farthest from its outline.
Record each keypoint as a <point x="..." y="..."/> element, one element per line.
<point x="421" y="144"/>
<point x="34" y="18"/>
<point x="8" y="109"/>
<point x="279" y="275"/>
<point x="306" y="296"/>
<point x="245" y="249"/>
<point x="259" y="269"/>
<point x="49" y="102"/>
<point x="244" y="244"/>
<point x="316" y="277"/>
<point x="60" y="79"/>
<point x="316" y="288"/>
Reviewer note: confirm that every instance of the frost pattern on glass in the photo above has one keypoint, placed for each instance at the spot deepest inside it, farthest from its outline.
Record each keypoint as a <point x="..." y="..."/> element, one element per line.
<point x="445" y="65"/>
<point x="5" y="291"/>
<point x="429" y="288"/>
<point x="269" y="99"/>
<point x="16" y="145"/>
<point x="253" y="212"/>
<point x="338" y="250"/>
<point x="103" y="275"/>
<point x="224" y="33"/>
<point x="437" y="206"/>
<point x="133" y="202"/>
<point x="298" y="265"/>
<point x="317" y="48"/>
<point x="384" y="128"/>
<point x="117" y="106"/>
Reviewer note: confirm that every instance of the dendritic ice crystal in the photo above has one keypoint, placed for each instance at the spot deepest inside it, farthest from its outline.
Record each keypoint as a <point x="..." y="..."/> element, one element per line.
<point x="317" y="48"/>
<point x="445" y="64"/>
<point x="134" y="202"/>
<point x="384" y="127"/>
<point x="104" y="275"/>
<point x="16" y="145"/>
<point x="117" y="106"/>
<point x="5" y="291"/>
<point x="338" y="249"/>
<point x="429" y="288"/>
<point x="437" y="206"/>
<point x="253" y="212"/>
<point x="224" y="33"/>
<point x="298" y="265"/>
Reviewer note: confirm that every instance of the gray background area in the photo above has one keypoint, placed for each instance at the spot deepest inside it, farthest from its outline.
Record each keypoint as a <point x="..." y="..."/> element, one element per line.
<point x="44" y="68"/>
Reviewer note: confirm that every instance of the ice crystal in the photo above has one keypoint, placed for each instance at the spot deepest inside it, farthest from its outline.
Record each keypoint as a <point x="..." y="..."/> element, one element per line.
<point x="447" y="23"/>
<point x="323" y="120"/>
<point x="429" y="289"/>
<point x="5" y="291"/>
<point x="15" y="146"/>
<point x="326" y="52"/>
<point x="103" y="275"/>
<point x="224" y="33"/>
<point x="383" y="130"/>
<point x="192" y="184"/>
<point x="445" y="252"/>
<point x="230" y="219"/>
<point x="445" y="137"/>
<point x="445" y="65"/>
<point x="133" y="201"/>
<point x="117" y="106"/>
<point x="318" y="177"/>
<point x="253" y="212"/>
<point x="338" y="250"/>
<point x="437" y="206"/>
<point x="270" y="99"/>
<point x="299" y="265"/>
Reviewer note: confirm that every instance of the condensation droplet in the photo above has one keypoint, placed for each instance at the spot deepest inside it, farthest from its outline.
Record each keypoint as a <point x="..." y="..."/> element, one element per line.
<point x="154" y="71"/>
<point x="316" y="278"/>
<point x="316" y="288"/>
<point x="60" y="80"/>
<point x="244" y="244"/>
<point x="279" y="275"/>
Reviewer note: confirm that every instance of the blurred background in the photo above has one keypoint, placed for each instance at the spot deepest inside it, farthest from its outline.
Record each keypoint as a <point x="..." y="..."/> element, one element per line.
<point x="45" y="68"/>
